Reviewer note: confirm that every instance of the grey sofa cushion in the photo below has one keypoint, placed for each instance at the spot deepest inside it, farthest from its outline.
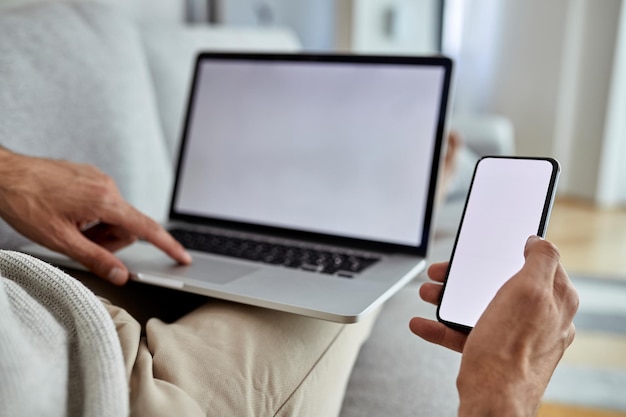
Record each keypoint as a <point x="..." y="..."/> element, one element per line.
<point x="74" y="84"/>
<point x="397" y="373"/>
<point x="171" y="51"/>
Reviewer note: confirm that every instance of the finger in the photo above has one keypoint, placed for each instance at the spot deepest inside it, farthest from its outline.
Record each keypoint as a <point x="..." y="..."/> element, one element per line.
<point x="437" y="271"/>
<point x="562" y="284"/>
<point x="145" y="228"/>
<point x="566" y="293"/>
<point x="94" y="257"/>
<point x="430" y="292"/>
<point x="571" y="335"/>
<point x="110" y="237"/>
<point x="438" y="333"/>
<point x="542" y="258"/>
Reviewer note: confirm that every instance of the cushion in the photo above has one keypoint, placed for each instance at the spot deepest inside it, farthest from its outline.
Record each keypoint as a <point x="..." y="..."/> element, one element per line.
<point x="171" y="51"/>
<point x="74" y="84"/>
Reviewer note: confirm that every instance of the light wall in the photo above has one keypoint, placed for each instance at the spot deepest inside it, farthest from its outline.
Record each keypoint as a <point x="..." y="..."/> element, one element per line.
<point x="612" y="173"/>
<point x="597" y="25"/>
<point x="362" y="26"/>
<point x="548" y="66"/>
<point x="312" y="20"/>
<point x="388" y="26"/>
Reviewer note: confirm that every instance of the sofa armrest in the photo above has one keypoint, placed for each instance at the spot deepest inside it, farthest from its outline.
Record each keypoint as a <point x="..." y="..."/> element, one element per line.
<point x="486" y="134"/>
<point x="481" y="135"/>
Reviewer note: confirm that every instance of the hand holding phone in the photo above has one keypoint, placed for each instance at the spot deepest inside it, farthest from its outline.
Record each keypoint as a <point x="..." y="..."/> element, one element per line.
<point x="509" y="200"/>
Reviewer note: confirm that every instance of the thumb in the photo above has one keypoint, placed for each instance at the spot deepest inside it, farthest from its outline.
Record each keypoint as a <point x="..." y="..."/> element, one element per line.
<point x="95" y="258"/>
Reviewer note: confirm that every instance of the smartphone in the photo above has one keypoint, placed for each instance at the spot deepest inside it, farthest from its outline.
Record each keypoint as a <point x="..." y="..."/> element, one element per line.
<point x="510" y="199"/>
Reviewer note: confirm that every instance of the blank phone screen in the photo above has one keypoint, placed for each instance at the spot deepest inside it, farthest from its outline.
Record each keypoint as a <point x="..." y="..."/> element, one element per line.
<point x="509" y="200"/>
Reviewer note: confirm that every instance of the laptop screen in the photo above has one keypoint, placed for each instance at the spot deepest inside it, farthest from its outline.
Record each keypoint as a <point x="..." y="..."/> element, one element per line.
<point x="337" y="146"/>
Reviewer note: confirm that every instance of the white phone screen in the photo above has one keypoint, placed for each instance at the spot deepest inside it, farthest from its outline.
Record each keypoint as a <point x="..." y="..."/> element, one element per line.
<point x="510" y="199"/>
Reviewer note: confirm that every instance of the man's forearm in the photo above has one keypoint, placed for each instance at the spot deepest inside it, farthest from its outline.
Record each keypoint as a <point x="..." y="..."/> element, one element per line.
<point x="6" y="166"/>
<point x="495" y="405"/>
<point x="13" y="169"/>
<point x="493" y="388"/>
<point x="4" y="152"/>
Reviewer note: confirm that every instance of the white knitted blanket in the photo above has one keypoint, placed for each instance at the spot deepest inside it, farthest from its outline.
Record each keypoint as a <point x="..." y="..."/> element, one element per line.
<point x="59" y="351"/>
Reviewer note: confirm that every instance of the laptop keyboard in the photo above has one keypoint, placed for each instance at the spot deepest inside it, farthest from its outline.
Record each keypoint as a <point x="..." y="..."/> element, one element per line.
<point x="297" y="257"/>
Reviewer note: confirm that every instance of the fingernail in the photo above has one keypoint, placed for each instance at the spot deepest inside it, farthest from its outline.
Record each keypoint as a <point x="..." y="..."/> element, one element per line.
<point x="117" y="276"/>
<point x="186" y="257"/>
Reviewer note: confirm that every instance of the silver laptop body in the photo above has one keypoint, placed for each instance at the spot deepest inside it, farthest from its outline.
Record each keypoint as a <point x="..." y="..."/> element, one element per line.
<point x="312" y="179"/>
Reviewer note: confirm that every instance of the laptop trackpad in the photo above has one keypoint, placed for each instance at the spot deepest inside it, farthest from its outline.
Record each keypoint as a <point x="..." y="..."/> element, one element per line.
<point x="214" y="271"/>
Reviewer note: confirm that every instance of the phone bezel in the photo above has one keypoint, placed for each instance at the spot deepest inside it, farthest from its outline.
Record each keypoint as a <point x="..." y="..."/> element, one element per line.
<point x="544" y="220"/>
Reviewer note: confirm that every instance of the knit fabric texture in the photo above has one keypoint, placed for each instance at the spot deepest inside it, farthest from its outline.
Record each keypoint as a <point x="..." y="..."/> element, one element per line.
<point x="59" y="352"/>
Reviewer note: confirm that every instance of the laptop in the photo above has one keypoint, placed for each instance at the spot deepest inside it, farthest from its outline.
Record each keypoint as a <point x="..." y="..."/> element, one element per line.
<point x="305" y="183"/>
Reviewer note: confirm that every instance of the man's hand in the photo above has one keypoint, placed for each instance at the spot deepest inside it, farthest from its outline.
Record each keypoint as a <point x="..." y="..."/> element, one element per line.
<point x="510" y="355"/>
<point x="77" y="210"/>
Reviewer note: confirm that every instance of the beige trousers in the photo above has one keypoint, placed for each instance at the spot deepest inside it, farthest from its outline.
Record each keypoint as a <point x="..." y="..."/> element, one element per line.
<point x="228" y="359"/>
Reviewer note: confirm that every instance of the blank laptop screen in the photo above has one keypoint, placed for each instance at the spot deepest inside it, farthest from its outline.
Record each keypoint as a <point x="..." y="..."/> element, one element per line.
<point x="336" y="148"/>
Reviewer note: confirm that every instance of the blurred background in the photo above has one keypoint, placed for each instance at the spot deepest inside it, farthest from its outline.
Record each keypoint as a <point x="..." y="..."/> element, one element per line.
<point x="556" y="69"/>
<point x="535" y="77"/>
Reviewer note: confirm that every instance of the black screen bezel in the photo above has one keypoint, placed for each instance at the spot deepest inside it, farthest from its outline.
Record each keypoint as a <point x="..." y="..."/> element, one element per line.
<point x="541" y="228"/>
<point x="421" y="249"/>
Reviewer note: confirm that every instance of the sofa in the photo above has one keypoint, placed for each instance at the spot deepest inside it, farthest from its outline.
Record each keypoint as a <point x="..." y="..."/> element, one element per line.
<point x="115" y="99"/>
